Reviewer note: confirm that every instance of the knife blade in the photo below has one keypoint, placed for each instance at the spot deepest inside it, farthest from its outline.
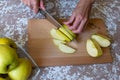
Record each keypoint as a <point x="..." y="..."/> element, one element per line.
<point x="51" y="18"/>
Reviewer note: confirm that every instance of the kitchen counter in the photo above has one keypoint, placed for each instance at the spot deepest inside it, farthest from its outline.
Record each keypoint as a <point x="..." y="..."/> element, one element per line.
<point x="13" y="23"/>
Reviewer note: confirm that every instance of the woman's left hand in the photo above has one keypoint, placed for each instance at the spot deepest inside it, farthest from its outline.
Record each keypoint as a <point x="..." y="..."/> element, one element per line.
<point x="79" y="16"/>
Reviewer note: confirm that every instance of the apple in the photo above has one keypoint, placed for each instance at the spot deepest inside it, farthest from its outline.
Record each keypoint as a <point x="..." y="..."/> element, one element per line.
<point x="103" y="41"/>
<point x="8" y="41"/>
<point x="93" y="48"/>
<point x="8" y="58"/>
<point x="22" y="71"/>
<point x="63" y="30"/>
<point x="59" y="35"/>
<point x="2" y="78"/>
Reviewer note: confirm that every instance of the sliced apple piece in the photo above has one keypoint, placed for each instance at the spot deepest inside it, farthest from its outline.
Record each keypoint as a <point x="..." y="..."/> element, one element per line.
<point x="57" y="42"/>
<point x="93" y="48"/>
<point x="63" y="30"/>
<point x="103" y="41"/>
<point x="59" y="35"/>
<point x="54" y="34"/>
<point x="66" y="49"/>
<point x="63" y="35"/>
<point x="66" y="28"/>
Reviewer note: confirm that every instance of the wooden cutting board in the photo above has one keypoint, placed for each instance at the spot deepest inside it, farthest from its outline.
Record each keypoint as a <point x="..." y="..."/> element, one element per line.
<point x="45" y="53"/>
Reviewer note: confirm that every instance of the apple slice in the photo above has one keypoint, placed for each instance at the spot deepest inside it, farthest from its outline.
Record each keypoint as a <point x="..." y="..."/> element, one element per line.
<point x="93" y="48"/>
<point x="63" y="47"/>
<point x="66" y="28"/>
<point x="63" y="30"/>
<point x="57" y="42"/>
<point x="66" y="49"/>
<point x="58" y="35"/>
<point x="103" y="41"/>
<point x="63" y="35"/>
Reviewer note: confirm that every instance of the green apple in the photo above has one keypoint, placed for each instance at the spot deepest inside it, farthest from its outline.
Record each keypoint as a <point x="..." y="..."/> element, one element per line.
<point x="103" y="41"/>
<point x="8" y="58"/>
<point x="59" y="35"/>
<point x="2" y="78"/>
<point x="93" y="48"/>
<point x="63" y="30"/>
<point x="8" y="41"/>
<point x="68" y="30"/>
<point x="22" y="71"/>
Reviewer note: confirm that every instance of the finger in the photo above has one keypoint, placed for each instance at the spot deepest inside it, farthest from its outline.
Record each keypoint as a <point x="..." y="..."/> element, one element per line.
<point x="42" y="5"/>
<point x="76" y="22"/>
<point x="77" y="31"/>
<point x="71" y="19"/>
<point x="29" y="4"/>
<point x="35" y="6"/>
<point x="24" y="1"/>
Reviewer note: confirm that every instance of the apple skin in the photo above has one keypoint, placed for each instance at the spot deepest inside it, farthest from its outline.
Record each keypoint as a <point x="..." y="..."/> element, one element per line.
<point x="8" y="58"/>
<point x="8" y="41"/>
<point x="22" y="71"/>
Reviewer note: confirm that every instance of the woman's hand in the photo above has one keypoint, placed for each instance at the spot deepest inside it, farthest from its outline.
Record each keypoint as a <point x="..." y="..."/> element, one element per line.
<point x="33" y="4"/>
<point x="79" y="16"/>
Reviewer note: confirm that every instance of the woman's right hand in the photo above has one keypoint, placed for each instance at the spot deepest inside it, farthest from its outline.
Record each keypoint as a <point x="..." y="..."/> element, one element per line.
<point x="33" y="4"/>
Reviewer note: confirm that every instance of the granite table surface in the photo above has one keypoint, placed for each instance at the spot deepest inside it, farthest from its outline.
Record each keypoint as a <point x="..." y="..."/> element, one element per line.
<point x="13" y="23"/>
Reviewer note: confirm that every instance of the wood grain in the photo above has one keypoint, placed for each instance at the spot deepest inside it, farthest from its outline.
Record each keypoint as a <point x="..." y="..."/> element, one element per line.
<point x="45" y="53"/>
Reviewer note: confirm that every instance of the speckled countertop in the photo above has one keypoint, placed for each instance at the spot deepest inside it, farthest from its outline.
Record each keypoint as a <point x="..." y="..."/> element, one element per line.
<point x="13" y="23"/>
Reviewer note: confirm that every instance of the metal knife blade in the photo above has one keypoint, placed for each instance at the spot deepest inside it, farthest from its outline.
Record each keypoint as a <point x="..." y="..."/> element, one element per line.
<point x="50" y="18"/>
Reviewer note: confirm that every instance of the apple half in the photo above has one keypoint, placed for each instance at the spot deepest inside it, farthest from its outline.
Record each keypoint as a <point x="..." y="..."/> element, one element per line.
<point x="103" y="41"/>
<point x="93" y="48"/>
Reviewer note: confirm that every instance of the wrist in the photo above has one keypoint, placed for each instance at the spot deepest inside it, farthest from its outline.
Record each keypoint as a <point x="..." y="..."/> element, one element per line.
<point x="85" y="2"/>
<point x="92" y="1"/>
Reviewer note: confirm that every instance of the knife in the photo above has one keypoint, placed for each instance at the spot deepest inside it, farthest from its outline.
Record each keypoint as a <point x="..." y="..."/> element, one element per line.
<point x="50" y="18"/>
